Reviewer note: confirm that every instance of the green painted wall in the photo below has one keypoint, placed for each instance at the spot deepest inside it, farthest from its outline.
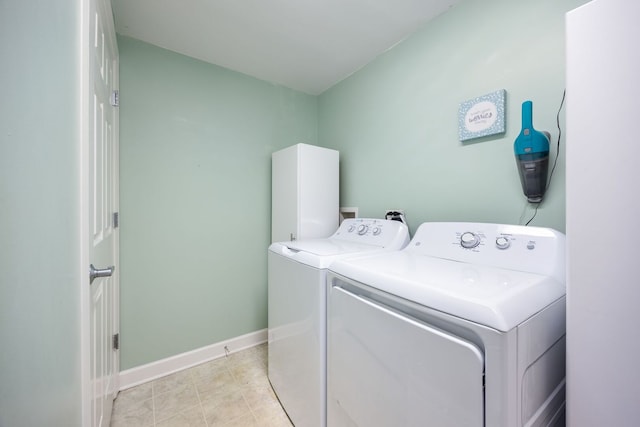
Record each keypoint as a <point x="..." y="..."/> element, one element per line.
<point x="395" y="121"/>
<point x="195" y="175"/>
<point x="196" y="141"/>
<point x="195" y="180"/>
<point x="39" y="206"/>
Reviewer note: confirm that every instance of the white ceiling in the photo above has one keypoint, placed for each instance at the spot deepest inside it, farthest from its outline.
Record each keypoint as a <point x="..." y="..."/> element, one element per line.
<point x="307" y="45"/>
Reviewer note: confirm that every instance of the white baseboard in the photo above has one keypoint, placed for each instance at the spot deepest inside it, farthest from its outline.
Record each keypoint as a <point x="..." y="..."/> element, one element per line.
<point x="142" y="374"/>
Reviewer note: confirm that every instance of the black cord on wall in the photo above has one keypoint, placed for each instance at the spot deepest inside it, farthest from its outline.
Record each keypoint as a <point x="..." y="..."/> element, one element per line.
<point x="555" y="162"/>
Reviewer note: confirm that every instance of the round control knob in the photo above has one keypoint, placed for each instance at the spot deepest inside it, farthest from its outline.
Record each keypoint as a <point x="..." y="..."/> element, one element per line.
<point x="376" y="231"/>
<point x="351" y="228"/>
<point x="469" y="240"/>
<point x="362" y="229"/>
<point x="502" y="242"/>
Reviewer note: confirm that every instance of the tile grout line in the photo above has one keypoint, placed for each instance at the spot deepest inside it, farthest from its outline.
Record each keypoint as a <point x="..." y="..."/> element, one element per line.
<point x="253" y="414"/>
<point x="256" y="359"/>
<point x="236" y="380"/>
<point x="191" y="375"/>
<point x="153" y="403"/>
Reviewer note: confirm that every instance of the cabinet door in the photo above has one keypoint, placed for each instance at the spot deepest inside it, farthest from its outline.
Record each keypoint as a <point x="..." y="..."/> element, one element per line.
<point x="305" y="193"/>
<point x="284" y="195"/>
<point x="387" y="369"/>
<point x="318" y="192"/>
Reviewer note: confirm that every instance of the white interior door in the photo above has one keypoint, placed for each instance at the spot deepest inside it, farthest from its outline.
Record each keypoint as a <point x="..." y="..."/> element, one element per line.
<point x="102" y="195"/>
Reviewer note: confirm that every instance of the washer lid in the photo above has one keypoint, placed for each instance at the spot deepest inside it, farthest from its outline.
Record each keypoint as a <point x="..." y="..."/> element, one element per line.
<point x="329" y="247"/>
<point x="320" y="253"/>
<point x="494" y="297"/>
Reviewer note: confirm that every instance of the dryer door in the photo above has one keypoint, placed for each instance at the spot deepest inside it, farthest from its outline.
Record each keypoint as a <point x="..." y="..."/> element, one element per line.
<point x="386" y="369"/>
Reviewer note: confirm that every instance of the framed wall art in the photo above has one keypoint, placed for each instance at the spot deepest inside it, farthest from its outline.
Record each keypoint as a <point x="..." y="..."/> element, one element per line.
<point x="482" y="116"/>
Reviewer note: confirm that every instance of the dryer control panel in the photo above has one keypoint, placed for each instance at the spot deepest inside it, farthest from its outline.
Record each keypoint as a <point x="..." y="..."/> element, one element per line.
<point x="378" y="232"/>
<point x="514" y="247"/>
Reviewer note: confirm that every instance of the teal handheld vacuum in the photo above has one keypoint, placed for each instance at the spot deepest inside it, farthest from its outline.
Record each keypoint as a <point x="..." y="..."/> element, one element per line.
<point x="532" y="156"/>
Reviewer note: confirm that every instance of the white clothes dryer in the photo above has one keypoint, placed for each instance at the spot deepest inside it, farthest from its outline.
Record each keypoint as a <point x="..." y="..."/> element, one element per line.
<point x="464" y="327"/>
<point x="297" y="304"/>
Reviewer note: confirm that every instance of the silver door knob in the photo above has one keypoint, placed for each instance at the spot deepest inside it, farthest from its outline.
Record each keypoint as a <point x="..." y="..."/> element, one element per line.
<point x="97" y="272"/>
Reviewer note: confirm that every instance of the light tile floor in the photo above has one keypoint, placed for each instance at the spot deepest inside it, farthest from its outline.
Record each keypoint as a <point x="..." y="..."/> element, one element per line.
<point x="230" y="391"/>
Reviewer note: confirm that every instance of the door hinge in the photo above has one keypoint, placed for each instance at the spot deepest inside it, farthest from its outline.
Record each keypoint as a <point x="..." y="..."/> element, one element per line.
<point x="116" y="341"/>
<point x="115" y="98"/>
<point x="116" y="220"/>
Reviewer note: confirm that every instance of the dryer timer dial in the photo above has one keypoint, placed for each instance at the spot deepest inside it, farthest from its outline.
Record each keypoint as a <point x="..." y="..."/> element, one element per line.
<point x="469" y="240"/>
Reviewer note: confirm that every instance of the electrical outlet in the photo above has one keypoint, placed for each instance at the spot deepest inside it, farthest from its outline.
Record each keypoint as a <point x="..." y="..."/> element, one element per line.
<point x="396" y="215"/>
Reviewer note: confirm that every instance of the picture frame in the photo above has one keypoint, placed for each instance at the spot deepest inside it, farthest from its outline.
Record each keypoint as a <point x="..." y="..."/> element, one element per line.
<point x="482" y="116"/>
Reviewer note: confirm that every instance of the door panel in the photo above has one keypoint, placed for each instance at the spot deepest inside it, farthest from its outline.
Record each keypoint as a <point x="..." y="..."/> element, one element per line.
<point x="102" y="202"/>
<point x="387" y="369"/>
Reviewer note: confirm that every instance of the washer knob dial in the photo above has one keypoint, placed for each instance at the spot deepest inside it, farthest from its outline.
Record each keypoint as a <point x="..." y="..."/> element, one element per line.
<point x="376" y="231"/>
<point x="351" y="228"/>
<point x="502" y="242"/>
<point x="469" y="240"/>
<point x="362" y="229"/>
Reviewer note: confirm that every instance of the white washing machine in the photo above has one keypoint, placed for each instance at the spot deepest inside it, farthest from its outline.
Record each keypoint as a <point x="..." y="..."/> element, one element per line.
<point x="297" y="274"/>
<point x="464" y="327"/>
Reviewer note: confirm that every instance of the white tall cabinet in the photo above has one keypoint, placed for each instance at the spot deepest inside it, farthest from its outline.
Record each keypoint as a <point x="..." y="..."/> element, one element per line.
<point x="603" y="211"/>
<point x="305" y="193"/>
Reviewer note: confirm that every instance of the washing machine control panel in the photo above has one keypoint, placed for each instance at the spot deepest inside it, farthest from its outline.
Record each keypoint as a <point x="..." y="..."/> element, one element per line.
<point x="470" y="240"/>
<point x="479" y="240"/>
<point x="379" y="232"/>
<point x="531" y="249"/>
